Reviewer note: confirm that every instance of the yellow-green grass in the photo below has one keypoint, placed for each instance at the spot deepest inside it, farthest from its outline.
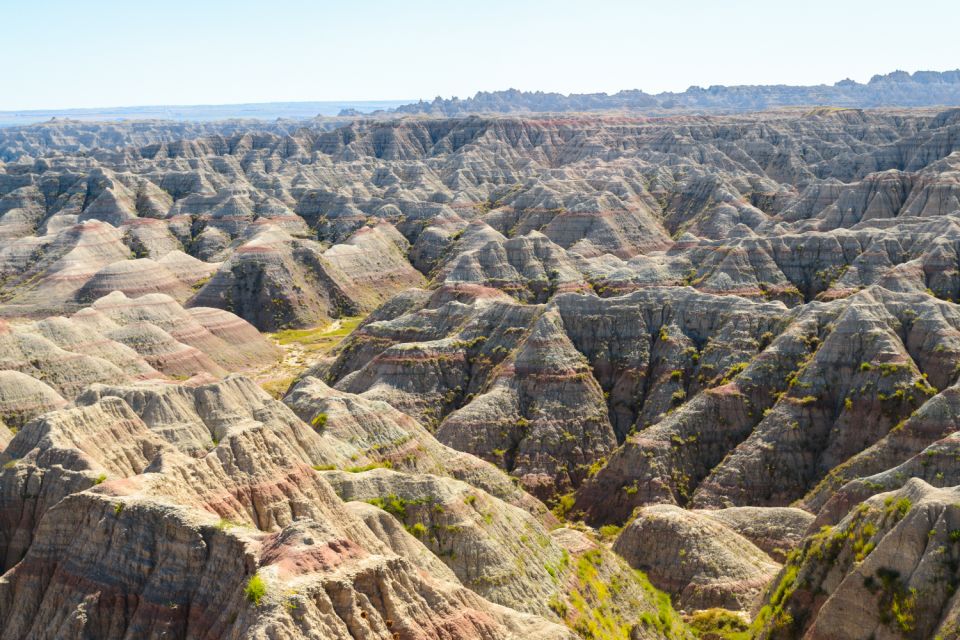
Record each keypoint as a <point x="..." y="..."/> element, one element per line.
<point x="278" y="386"/>
<point x="320" y="340"/>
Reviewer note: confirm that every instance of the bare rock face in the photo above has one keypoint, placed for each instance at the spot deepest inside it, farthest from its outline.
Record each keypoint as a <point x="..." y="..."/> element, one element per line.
<point x="319" y="564"/>
<point x="134" y="278"/>
<point x="276" y="280"/>
<point x="45" y="272"/>
<point x="547" y="408"/>
<point x="376" y="433"/>
<point x="735" y="335"/>
<point x="392" y="533"/>
<point x="63" y="453"/>
<point x="932" y="463"/>
<point x="119" y="340"/>
<point x="830" y="386"/>
<point x="775" y="530"/>
<point x="530" y="267"/>
<point x="872" y="368"/>
<point x="23" y="398"/>
<point x="195" y="418"/>
<point x="338" y="589"/>
<point x="615" y="365"/>
<point x="498" y="550"/>
<point x="170" y="333"/>
<point x="5" y="436"/>
<point x="897" y="88"/>
<point x="701" y="562"/>
<point x="66" y="371"/>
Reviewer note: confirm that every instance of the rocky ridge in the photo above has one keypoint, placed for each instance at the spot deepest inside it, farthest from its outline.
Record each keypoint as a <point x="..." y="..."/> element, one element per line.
<point x="605" y="358"/>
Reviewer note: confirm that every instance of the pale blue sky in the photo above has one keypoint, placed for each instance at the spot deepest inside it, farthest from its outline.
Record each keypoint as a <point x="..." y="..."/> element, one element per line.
<point x="98" y="53"/>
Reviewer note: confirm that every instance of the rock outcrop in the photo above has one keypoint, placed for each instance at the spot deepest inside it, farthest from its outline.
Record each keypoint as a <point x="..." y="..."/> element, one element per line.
<point x="701" y="562"/>
<point x="736" y="336"/>
<point x="888" y="569"/>
<point x="255" y="537"/>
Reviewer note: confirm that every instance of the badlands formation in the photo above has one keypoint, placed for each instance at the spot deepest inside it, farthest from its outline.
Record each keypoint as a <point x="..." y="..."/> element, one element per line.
<point x="617" y="377"/>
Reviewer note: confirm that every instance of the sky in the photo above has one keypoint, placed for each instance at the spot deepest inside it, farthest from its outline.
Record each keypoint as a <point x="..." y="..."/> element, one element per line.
<point x="102" y="53"/>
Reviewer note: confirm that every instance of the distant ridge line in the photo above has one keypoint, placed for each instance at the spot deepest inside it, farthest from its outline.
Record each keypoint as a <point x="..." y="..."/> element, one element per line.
<point x="896" y="89"/>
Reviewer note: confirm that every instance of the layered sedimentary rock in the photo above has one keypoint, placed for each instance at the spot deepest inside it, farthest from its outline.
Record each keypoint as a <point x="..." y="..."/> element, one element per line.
<point x="888" y="569"/>
<point x="721" y="333"/>
<point x="23" y="397"/>
<point x="775" y="530"/>
<point x="896" y="88"/>
<point x="701" y="562"/>
<point x="378" y="434"/>
<point x="275" y="280"/>
<point x="252" y="491"/>
<point x="508" y="556"/>
<point x="119" y="340"/>
<point x="258" y="479"/>
<point x="134" y="278"/>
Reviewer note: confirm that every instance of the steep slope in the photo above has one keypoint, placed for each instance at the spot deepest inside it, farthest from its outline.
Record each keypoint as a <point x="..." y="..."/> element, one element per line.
<point x="723" y="333"/>
<point x="889" y="569"/>
<point x="328" y="562"/>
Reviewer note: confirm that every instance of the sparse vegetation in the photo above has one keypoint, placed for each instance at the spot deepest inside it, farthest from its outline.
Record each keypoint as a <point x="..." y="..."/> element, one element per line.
<point x="319" y="421"/>
<point x="319" y="340"/>
<point x="563" y="505"/>
<point x="719" y="624"/>
<point x="609" y="531"/>
<point x="256" y="590"/>
<point x="384" y="464"/>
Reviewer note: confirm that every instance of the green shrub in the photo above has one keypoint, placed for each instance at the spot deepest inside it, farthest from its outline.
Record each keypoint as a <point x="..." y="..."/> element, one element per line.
<point x="392" y="504"/>
<point x="719" y="623"/>
<point x="319" y="421"/>
<point x="609" y="531"/>
<point x="564" y="505"/>
<point x="255" y="590"/>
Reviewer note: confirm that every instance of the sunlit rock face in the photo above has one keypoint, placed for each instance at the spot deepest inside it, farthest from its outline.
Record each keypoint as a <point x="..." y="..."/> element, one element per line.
<point x="600" y="361"/>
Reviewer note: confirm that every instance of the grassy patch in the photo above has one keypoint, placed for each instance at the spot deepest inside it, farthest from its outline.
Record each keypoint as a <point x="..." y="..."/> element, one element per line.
<point x="320" y="340"/>
<point x="609" y="531"/>
<point x="255" y="590"/>
<point x="563" y="505"/>
<point x="386" y="464"/>
<point x="276" y="388"/>
<point x="720" y="623"/>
